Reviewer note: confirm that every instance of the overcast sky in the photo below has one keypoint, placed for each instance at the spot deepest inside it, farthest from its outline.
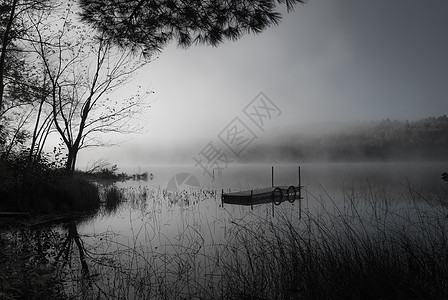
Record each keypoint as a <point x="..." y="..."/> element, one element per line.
<point x="328" y="60"/>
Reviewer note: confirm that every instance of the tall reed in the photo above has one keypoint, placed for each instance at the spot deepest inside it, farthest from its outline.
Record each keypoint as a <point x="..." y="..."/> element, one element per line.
<point x="370" y="251"/>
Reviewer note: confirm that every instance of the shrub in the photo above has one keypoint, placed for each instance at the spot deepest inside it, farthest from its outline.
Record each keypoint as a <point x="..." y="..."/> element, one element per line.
<point x="113" y="197"/>
<point x="48" y="194"/>
<point x="73" y="194"/>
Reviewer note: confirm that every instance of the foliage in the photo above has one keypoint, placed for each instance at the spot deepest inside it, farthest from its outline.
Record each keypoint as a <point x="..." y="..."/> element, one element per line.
<point x="424" y="139"/>
<point x="82" y="69"/>
<point x="71" y="193"/>
<point x="25" y="275"/>
<point x="56" y="75"/>
<point x="42" y="186"/>
<point x="17" y="86"/>
<point x="149" y="25"/>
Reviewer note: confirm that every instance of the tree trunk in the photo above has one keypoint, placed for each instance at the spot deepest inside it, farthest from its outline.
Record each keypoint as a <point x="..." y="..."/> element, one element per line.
<point x="5" y="43"/>
<point x="37" y="129"/>
<point x="71" y="160"/>
<point x="73" y="233"/>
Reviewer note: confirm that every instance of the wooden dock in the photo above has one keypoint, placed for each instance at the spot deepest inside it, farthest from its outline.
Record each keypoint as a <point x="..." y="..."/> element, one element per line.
<point x="276" y="195"/>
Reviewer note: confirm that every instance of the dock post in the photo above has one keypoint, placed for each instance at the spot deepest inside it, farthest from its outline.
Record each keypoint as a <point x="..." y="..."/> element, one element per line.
<point x="222" y="197"/>
<point x="272" y="175"/>
<point x="251" y="204"/>
<point x="300" y="196"/>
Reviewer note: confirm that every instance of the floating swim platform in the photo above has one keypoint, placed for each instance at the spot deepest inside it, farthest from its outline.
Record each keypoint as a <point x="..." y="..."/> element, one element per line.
<point x="276" y="195"/>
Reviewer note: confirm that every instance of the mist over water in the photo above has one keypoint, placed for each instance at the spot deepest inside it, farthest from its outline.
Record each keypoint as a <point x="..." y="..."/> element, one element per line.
<point x="358" y="141"/>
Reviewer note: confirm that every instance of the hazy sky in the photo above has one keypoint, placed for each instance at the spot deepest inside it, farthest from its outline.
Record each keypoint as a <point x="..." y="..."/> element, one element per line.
<point x="328" y="60"/>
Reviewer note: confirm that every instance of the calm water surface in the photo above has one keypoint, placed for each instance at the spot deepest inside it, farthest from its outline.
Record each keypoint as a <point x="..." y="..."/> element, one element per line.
<point x="156" y="215"/>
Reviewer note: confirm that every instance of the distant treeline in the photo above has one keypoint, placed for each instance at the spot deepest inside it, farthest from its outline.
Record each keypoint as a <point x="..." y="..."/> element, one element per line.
<point x="426" y="139"/>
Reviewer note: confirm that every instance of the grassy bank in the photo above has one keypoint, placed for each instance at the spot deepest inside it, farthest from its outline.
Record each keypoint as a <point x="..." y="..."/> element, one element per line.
<point x="43" y="187"/>
<point x="49" y="195"/>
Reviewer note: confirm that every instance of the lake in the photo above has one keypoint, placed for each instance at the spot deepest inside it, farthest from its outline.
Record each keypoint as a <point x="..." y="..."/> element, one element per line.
<point x="172" y="237"/>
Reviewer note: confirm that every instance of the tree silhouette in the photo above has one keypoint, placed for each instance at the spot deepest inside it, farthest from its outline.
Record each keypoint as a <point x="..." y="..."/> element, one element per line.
<point x="13" y="26"/>
<point x="82" y="70"/>
<point x="66" y="249"/>
<point x="148" y="25"/>
<point x="23" y="115"/>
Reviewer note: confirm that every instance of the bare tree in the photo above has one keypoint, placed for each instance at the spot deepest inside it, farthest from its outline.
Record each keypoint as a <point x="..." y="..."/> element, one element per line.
<point x="15" y="136"/>
<point x="23" y="116"/>
<point x="13" y="26"/>
<point x="82" y="70"/>
<point x="98" y="165"/>
<point x="8" y="10"/>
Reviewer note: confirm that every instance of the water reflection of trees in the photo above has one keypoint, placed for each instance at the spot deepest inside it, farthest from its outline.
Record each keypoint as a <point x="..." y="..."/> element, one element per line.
<point x="72" y="237"/>
<point x="107" y="265"/>
<point x="25" y="271"/>
<point x="47" y="255"/>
